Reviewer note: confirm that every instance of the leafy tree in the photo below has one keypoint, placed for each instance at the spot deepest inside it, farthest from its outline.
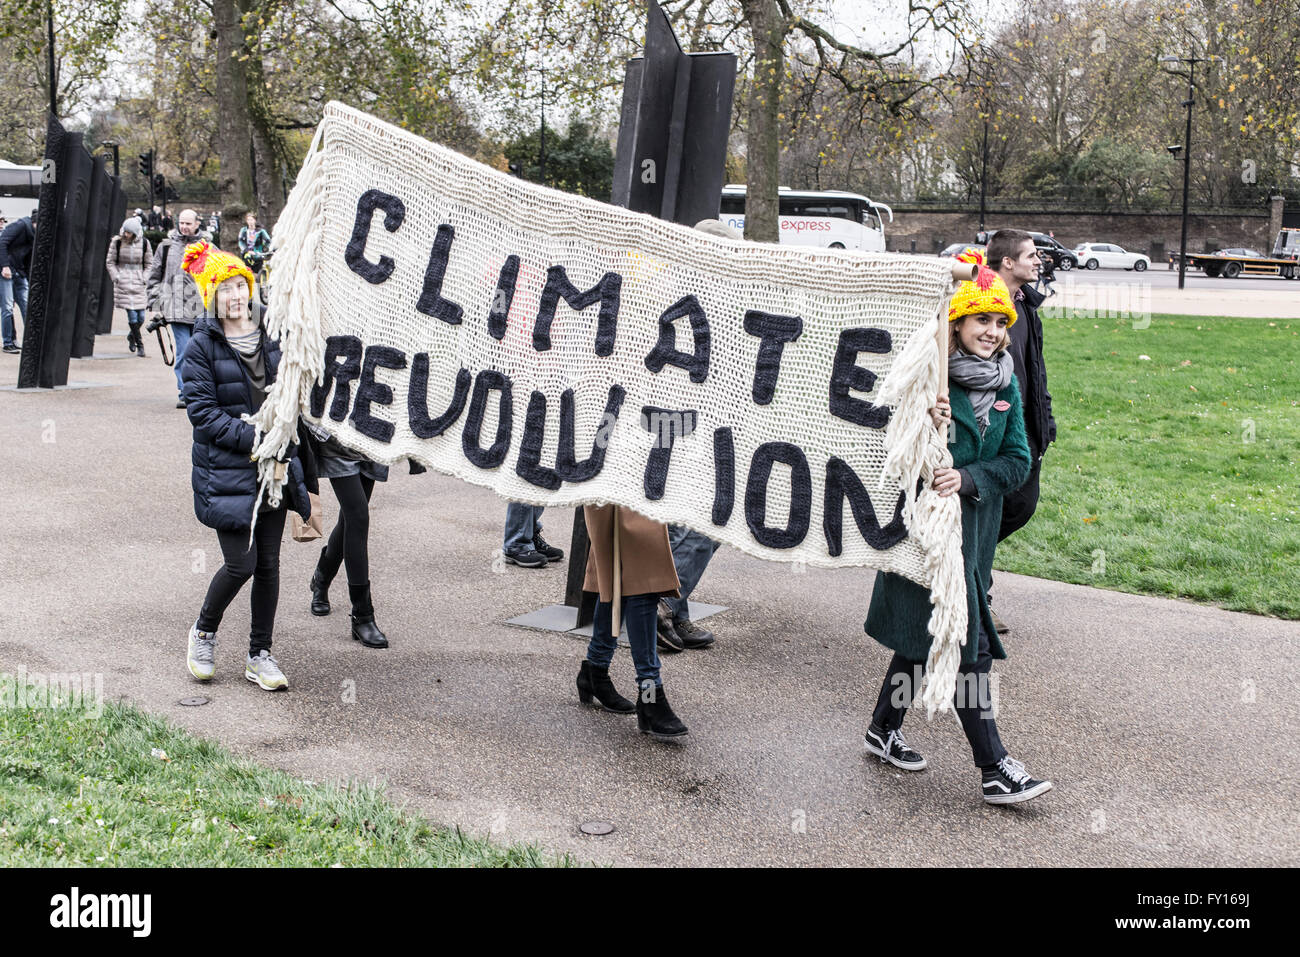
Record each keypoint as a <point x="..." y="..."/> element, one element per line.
<point x="578" y="162"/>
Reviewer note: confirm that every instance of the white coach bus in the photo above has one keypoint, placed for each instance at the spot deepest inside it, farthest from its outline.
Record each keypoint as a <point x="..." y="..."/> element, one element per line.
<point x="825" y="218"/>
<point x="20" y="187"/>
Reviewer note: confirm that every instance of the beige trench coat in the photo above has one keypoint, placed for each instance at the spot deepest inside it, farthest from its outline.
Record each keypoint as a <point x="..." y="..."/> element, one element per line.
<point x="643" y="545"/>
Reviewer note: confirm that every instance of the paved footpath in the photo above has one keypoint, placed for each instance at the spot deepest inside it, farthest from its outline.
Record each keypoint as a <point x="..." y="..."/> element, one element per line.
<point x="1168" y="728"/>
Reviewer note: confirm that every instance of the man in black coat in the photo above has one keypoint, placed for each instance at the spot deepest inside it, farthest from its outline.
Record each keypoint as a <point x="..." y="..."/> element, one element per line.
<point x="16" y="243"/>
<point x="1013" y="256"/>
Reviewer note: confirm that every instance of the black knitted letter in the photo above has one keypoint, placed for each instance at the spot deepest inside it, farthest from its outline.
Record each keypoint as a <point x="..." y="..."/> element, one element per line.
<point x="566" y="463"/>
<point x="846" y="374"/>
<point x="348" y="350"/>
<point x="606" y="292"/>
<point x="417" y="399"/>
<point x="369" y="390"/>
<point x="529" y="466"/>
<point x="431" y="302"/>
<point x="760" y="471"/>
<point x="665" y="350"/>
<point x="842" y="482"/>
<point x="491" y="457"/>
<point x="499" y="311"/>
<point x="774" y="331"/>
<point x="668" y="425"/>
<point x="355" y="254"/>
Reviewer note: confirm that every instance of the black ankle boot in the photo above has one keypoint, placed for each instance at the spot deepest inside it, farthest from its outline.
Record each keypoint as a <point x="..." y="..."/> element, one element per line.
<point x="594" y="682"/>
<point x="320" y="590"/>
<point x="654" y="716"/>
<point x="364" y="628"/>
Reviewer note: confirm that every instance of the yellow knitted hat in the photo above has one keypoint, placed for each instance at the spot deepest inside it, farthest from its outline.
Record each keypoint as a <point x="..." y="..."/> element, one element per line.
<point x="210" y="267"/>
<point x="985" y="293"/>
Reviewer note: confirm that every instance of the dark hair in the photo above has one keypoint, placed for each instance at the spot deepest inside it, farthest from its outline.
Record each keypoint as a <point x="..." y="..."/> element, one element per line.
<point x="1005" y="244"/>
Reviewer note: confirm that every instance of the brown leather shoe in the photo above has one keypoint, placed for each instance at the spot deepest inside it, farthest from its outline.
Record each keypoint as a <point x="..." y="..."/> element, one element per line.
<point x="1001" y="626"/>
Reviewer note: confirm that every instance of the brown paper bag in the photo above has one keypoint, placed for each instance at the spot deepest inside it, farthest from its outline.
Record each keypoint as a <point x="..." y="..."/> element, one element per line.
<point x="314" y="527"/>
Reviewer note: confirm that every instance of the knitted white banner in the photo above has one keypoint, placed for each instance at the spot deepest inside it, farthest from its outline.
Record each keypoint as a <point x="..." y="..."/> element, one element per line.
<point x="562" y="351"/>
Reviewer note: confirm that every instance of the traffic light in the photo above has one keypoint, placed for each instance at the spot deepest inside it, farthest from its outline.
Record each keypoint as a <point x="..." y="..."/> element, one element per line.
<point x="146" y="166"/>
<point x="170" y="195"/>
<point x="159" y="184"/>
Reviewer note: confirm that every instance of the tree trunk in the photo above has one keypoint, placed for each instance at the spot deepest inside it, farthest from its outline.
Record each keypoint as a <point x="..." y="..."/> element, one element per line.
<point x="267" y="144"/>
<point x="236" y="179"/>
<point x="762" y="138"/>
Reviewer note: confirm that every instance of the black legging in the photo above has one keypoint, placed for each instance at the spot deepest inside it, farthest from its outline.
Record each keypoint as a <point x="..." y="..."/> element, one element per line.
<point x="261" y="563"/>
<point x="349" y="542"/>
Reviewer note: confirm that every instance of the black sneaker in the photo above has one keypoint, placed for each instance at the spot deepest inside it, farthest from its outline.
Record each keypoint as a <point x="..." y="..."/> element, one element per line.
<point x="1009" y="783"/>
<point x="669" y="640"/>
<point x="524" y="557"/>
<point x="180" y="403"/>
<point x="12" y="349"/>
<point x="890" y="746"/>
<point x="691" y="634"/>
<point x="549" y="552"/>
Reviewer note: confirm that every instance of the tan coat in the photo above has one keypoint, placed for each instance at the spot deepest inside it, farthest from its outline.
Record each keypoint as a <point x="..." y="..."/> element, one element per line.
<point x="643" y="544"/>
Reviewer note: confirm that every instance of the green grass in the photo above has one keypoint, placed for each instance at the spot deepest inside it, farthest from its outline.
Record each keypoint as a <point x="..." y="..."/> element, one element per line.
<point x="88" y="791"/>
<point x="1180" y="470"/>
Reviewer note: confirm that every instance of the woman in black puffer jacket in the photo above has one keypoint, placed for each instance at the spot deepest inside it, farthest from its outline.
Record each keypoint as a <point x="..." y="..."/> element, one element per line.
<point x="230" y="364"/>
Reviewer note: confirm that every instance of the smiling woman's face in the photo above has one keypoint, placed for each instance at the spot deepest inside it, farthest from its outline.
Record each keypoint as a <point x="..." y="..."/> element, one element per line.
<point x="982" y="333"/>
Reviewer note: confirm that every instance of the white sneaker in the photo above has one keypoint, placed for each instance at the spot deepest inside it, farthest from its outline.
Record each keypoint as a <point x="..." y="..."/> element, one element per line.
<point x="264" y="670"/>
<point x="201" y="656"/>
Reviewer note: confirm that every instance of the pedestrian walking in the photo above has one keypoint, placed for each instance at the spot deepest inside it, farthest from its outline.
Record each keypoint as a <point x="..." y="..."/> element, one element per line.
<point x="128" y="261"/>
<point x="231" y="365"/>
<point x="523" y="544"/>
<point x="172" y="293"/>
<point x="990" y="458"/>
<point x="1013" y="256"/>
<point x="353" y="478"/>
<point x="646" y="574"/>
<point x="17" y="241"/>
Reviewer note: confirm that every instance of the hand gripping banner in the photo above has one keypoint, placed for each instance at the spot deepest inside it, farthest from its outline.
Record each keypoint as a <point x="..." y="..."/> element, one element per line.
<point x="561" y="351"/>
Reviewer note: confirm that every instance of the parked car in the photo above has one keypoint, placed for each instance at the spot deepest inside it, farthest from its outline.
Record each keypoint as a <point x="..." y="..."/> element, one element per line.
<point x="1241" y="252"/>
<point x="1061" y="257"/>
<point x="1096" y="255"/>
<point x="956" y="249"/>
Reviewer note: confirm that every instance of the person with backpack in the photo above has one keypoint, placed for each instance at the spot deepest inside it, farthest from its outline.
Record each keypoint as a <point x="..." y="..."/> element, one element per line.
<point x="254" y="243"/>
<point x="129" y="257"/>
<point x="171" y="290"/>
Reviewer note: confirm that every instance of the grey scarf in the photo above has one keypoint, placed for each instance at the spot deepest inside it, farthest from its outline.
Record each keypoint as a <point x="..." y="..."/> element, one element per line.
<point x="982" y="379"/>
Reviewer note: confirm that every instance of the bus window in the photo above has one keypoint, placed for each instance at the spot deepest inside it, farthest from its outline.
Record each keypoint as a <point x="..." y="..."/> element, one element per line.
<point x="732" y="205"/>
<point x="842" y="212"/>
<point x="871" y="219"/>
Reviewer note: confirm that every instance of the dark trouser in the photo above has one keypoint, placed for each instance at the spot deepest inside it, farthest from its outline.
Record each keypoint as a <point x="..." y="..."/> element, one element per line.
<point x="972" y="699"/>
<point x="261" y="563"/>
<point x="349" y="543"/>
<point x="1018" y="508"/>
<point x="692" y="552"/>
<point x="639" y="614"/>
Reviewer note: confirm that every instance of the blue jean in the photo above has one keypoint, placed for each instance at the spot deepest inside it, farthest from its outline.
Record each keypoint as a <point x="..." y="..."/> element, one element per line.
<point x="134" y="317"/>
<point x="11" y="291"/>
<point x="523" y="524"/>
<point x="691" y="554"/>
<point x="639" y="614"/>
<point x="181" y="333"/>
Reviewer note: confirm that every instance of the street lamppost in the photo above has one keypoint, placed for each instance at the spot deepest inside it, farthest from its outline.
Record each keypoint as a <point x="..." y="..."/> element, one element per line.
<point x="985" y="109"/>
<point x="1170" y="63"/>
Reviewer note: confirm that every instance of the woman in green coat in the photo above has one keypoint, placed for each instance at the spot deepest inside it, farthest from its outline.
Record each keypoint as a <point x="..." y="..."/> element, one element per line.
<point x="990" y="458"/>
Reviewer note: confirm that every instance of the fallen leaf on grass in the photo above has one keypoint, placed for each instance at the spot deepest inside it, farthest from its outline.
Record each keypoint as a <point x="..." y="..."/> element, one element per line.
<point x="159" y="753"/>
<point x="1193" y="388"/>
<point x="1090" y="519"/>
<point x="1185" y="362"/>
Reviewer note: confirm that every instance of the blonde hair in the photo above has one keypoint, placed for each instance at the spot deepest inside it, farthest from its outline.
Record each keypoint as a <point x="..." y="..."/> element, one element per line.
<point x="953" y="326"/>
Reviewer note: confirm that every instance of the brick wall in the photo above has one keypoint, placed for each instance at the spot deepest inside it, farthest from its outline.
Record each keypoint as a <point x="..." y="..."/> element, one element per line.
<point x="1155" y="234"/>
